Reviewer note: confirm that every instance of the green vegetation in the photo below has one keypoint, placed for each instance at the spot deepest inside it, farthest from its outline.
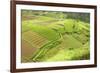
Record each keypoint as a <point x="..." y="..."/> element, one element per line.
<point x="55" y="36"/>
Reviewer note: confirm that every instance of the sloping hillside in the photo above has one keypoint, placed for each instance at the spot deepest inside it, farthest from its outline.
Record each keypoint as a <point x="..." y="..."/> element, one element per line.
<point x="49" y="39"/>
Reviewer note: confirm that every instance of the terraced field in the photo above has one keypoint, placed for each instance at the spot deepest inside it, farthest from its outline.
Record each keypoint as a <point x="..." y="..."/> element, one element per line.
<point x="47" y="38"/>
<point x="33" y="41"/>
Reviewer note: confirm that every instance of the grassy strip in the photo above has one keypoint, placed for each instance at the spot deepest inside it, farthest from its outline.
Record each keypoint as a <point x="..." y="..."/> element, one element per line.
<point x="45" y="49"/>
